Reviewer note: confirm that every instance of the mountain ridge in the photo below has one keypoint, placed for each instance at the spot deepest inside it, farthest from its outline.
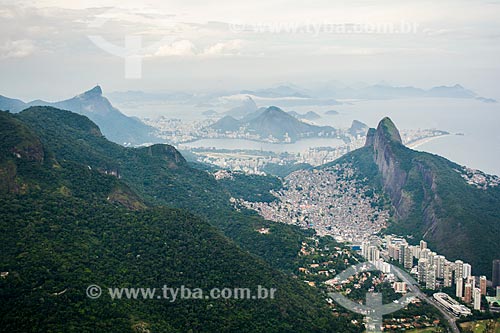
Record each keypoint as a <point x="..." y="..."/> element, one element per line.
<point x="115" y="125"/>
<point x="77" y="218"/>
<point x="273" y="122"/>
<point x="431" y="197"/>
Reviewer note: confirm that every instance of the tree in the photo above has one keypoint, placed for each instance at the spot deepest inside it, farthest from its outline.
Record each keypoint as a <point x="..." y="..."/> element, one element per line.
<point x="490" y="326"/>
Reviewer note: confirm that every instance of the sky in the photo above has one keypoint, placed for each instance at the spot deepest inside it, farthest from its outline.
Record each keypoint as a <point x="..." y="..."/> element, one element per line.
<point x="53" y="49"/>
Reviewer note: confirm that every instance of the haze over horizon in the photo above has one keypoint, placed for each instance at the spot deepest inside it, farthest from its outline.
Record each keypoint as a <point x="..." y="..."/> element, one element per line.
<point x="197" y="47"/>
<point x="249" y="166"/>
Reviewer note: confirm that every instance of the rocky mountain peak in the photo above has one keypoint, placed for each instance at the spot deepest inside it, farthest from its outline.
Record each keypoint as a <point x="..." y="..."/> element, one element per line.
<point x="167" y="152"/>
<point x="370" y="137"/>
<point x="387" y="131"/>
<point x="386" y="141"/>
<point x="94" y="92"/>
<point x="273" y="109"/>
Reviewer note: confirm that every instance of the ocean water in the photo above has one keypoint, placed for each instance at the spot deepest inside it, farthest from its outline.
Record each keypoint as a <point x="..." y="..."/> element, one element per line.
<point x="479" y="122"/>
<point x="478" y="147"/>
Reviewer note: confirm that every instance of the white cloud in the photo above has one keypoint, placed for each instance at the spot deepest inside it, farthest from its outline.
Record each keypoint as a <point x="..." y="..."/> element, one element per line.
<point x="187" y="48"/>
<point x="177" y="48"/>
<point x="458" y="36"/>
<point x="232" y="47"/>
<point x="6" y="13"/>
<point x="16" y="48"/>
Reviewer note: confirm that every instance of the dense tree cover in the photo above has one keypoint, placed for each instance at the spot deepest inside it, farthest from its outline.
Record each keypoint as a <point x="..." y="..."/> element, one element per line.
<point x="161" y="176"/>
<point x="14" y="136"/>
<point x="284" y="170"/>
<point x="55" y="244"/>
<point x="251" y="187"/>
<point x="68" y="224"/>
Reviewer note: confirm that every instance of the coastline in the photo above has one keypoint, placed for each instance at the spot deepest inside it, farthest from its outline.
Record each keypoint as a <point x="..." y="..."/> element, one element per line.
<point x="419" y="142"/>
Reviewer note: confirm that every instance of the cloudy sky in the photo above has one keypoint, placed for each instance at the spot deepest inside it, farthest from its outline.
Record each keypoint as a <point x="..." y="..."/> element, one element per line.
<point x="53" y="49"/>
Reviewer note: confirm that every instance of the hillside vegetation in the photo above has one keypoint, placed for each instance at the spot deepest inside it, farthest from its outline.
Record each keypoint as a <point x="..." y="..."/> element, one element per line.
<point x="79" y="210"/>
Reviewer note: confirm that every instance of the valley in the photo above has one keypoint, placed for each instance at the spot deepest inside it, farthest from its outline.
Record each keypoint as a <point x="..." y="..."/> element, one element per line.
<point x="350" y="199"/>
<point x="249" y="167"/>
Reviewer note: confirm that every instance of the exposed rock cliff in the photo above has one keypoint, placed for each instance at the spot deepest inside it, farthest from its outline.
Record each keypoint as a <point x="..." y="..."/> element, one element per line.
<point x="431" y="199"/>
<point x="168" y="153"/>
<point x="385" y="141"/>
<point x="370" y="137"/>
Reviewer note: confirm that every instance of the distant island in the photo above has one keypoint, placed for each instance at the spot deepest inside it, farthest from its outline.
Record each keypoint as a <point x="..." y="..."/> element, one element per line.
<point x="210" y="113"/>
<point x="310" y="115"/>
<point x="332" y="112"/>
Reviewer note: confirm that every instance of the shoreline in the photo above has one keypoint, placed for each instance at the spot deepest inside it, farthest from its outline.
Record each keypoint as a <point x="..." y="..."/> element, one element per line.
<point x="420" y="142"/>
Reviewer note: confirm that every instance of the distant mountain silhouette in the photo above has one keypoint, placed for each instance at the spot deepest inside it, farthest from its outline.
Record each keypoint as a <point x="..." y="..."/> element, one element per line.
<point x="358" y="128"/>
<point x="386" y="91"/>
<point x="11" y="104"/>
<point x="280" y="91"/>
<point x="226" y="124"/>
<point x="114" y="125"/>
<point x="246" y="108"/>
<point x="274" y="122"/>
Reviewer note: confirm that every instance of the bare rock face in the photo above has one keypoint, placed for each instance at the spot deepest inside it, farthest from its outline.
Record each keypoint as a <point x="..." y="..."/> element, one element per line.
<point x="396" y="165"/>
<point x="432" y="226"/>
<point x="370" y="137"/>
<point x="385" y="140"/>
<point x="168" y="153"/>
<point x="432" y="199"/>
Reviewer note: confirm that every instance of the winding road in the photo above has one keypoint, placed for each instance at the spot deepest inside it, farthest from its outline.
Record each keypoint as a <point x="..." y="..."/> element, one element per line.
<point x="416" y="290"/>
